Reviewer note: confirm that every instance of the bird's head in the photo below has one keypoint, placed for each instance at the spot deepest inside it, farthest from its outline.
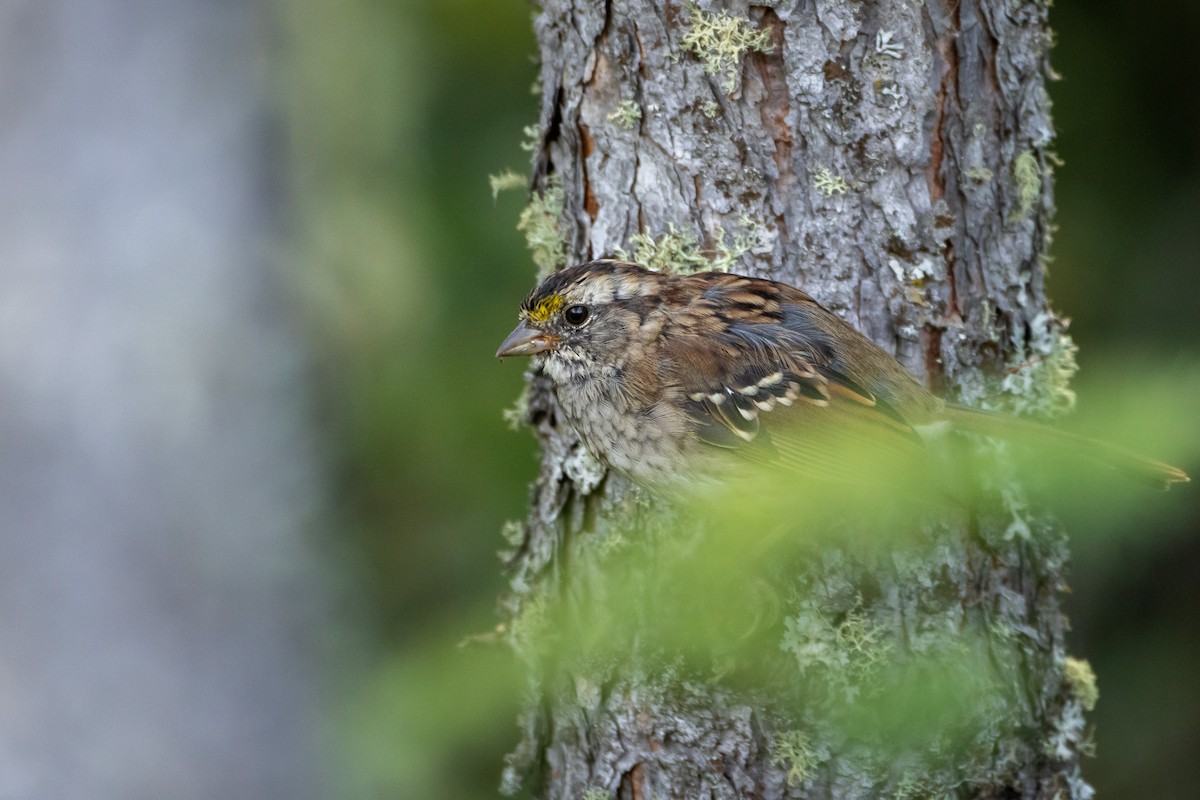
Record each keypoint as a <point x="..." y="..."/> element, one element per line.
<point x="587" y="311"/>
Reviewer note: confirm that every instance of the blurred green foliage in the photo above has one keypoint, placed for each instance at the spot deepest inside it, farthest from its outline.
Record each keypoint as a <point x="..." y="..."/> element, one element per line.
<point x="1127" y="270"/>
<point x="409" y="272"/>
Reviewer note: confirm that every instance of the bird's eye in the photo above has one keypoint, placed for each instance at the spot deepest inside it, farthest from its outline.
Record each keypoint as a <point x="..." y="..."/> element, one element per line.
<point x="576" y="315"/>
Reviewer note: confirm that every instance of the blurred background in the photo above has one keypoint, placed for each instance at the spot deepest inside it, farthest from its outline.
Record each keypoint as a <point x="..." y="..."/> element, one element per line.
<point x="253" y="468"/>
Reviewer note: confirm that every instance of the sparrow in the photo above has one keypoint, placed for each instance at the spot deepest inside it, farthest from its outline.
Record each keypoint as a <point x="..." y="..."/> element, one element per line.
<point x="674" y="380"/>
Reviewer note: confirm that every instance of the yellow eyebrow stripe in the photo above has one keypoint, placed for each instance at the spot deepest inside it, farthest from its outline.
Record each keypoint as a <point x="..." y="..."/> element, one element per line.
<point x="546" y="308"/>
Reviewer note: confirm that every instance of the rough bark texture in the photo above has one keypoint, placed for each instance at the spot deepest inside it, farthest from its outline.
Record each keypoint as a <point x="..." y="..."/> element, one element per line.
<point x="891" y="158"/>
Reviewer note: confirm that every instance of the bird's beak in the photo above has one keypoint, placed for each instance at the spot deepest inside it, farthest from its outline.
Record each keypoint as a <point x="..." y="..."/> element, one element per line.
<point x="525" y="341"/>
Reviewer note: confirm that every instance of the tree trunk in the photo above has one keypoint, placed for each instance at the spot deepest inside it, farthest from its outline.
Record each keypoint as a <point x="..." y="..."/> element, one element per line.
<point x="891" y="159"/>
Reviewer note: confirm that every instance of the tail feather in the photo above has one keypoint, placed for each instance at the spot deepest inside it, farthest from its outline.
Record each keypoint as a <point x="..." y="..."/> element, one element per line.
<point x="1001" y="426"/>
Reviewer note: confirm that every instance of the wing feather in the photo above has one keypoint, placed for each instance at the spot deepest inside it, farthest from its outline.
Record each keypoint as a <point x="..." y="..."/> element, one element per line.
<point x="764" y="385"/>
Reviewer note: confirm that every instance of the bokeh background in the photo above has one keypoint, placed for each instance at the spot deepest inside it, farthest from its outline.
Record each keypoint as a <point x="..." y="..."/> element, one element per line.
<point x="253" y="468"/>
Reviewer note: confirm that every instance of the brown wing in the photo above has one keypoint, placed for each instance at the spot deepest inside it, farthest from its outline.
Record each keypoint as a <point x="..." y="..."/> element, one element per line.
<point x="758" y="374"/>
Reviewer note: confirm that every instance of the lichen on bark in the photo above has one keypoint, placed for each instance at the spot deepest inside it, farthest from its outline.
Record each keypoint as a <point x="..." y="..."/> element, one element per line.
<point x="890" y="158"/>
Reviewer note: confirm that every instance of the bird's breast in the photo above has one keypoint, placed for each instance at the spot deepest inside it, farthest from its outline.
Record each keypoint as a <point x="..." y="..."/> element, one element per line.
<point x="642" y="440"/>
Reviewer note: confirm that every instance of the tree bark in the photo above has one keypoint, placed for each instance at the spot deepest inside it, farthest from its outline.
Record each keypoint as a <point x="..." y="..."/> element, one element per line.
<point x="892" y="159"/>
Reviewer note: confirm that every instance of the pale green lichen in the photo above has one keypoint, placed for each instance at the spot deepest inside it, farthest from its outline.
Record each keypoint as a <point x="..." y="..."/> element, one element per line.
<point x="627" y="115"/>
<point x="914" y="275"/>
<point x="887" y="45"/>
<point x="533" y="137"/>
<point x="829" y="183"/>
<point x="978" y="174"/>
<point x="1081" y="680"/>
<point x="864" y="641"/>
<point x="1027" y="176"/>
<point x="541" y="222"/>
<point x="916" y="787"/>
<point x="751" y="237"/>
<point x="675" y="251"/>
<point x="710" y="109"/>
<point x="1039" y="383"/>
<point x="1069" y="733"/>
<point x="720" y="41"/>
<point x="1016" y="505"/>
<point x="593" y="793"/>
<point x="610" y="543"/>
<point x="841" y="657"/>
<point x="584" y="470"/>
<point x="731" y="247"/>
<point x="794" y="752"/>
<point x="506" y="181"/>
<point x="516" y="414"/>
<point x="680" y="253"/>
<point x="528" y="625"/>
<point x="513" y="532"/>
